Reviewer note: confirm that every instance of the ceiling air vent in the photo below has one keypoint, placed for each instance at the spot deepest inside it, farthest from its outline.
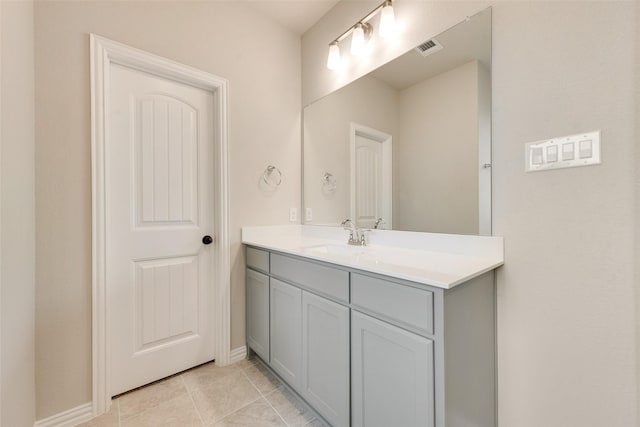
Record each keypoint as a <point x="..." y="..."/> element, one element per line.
<point x="429" y="47"/>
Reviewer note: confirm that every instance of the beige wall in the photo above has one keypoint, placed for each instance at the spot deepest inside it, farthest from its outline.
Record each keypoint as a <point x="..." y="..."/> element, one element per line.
<point x="637" y="226"/>
<point x="566" y="331"/>
<point x="261" y="61"/>
<point x="566" y="304"/>
<point x="367" y="102"/>
<point x="436" y="154"/>
<point x="17" y="215"/>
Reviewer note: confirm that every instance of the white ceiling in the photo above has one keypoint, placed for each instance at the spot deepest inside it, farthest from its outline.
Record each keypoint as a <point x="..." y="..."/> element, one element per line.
<point x="467" y="41"/>
<point x="295" y="15"/>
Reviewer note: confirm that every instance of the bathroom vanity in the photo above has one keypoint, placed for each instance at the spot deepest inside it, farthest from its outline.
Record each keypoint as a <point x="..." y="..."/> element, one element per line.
<point x="398" y="333"/>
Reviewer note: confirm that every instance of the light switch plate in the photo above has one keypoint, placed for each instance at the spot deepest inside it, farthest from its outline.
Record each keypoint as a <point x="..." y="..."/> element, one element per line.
<point x="565" y="152"/>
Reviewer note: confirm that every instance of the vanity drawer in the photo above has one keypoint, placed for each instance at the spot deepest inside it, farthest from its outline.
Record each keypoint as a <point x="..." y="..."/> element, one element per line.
<point x="258" y="259"/>
<point x="326" y="280"/>
<point x="411" y="306"/>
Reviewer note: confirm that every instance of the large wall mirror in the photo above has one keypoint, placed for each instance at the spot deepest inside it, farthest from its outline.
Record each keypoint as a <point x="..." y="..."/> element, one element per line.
<point x="407" y="146"/>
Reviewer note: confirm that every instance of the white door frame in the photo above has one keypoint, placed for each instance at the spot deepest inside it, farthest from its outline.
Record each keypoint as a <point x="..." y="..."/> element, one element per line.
<point x="105" y="52"/>
<point x="386" y="140"/>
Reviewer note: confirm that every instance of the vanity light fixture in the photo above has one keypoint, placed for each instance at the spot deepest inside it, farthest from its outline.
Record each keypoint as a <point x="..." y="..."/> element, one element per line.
<point x="387" y="20"/>
<point x="360" y="33"/>
<point x="333" y="61"/>
<point x="359" y="36"/>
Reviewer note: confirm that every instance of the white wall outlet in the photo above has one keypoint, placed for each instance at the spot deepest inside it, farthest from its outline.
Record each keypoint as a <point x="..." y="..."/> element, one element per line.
<point x="308" y="214"/>
<point x="293" y="214"/>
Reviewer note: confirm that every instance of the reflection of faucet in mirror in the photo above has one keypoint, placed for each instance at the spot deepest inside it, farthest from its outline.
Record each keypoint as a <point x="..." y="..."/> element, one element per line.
<point x="356" y="235"/>
<point x="378" y="222"/>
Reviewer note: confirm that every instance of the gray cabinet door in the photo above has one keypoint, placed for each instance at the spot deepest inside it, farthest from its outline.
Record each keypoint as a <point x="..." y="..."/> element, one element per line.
<point x="325" y="358"/>
<point x="258" y="313"/>
<point x="286" y="331"/>
<point x="391" y="375"/>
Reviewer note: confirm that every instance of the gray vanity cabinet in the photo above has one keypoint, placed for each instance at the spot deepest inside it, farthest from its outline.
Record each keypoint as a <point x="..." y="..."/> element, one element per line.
<point x="258" y="313"/>
<point x="391" y="375"/>
<point x="368" y="350"/>
<point x="325" y="357"/>
<point x="286" y="331"/>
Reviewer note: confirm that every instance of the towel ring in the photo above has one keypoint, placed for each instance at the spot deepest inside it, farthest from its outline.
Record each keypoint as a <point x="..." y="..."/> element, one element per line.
<point x="329" y="183"/>
<point x="272" y="176"/>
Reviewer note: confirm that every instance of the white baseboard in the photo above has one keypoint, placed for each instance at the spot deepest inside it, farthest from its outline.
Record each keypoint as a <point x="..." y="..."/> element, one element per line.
<point x="237" y="354"/>
<point x="69" y="418"/>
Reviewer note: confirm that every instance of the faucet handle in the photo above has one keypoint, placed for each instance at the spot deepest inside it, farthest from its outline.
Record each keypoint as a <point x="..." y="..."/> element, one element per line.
<point x="363" y="240"/>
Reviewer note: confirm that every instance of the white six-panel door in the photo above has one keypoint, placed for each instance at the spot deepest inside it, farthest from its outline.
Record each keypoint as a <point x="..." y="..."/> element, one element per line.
<point x="159" y="198"/>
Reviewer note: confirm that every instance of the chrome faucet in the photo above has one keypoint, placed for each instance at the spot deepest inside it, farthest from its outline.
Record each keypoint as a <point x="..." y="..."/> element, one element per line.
<point x="356" y="236"/>
<point x="378" y="222"/>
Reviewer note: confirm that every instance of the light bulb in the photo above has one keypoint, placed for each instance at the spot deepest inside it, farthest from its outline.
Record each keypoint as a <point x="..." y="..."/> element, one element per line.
<point x="333" y="61"/>
<point x="357" y="40"/>
<point x="387" y="20"/>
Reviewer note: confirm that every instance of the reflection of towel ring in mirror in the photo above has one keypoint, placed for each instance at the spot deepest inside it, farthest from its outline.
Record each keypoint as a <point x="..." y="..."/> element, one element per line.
<point x="272" y="176"/>
<point x="329" y="183"/>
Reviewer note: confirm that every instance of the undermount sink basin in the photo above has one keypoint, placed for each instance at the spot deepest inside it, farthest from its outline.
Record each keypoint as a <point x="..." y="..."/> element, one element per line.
<point x="368" y="256"/>
<point x="335" y="249"/>
<point x="361" y="254"/>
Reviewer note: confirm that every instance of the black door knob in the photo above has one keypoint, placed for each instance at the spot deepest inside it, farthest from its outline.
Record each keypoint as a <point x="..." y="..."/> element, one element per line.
<point x="207" y="240"/>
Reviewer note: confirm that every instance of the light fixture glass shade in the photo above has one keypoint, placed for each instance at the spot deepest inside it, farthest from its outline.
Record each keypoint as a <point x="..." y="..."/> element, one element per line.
<point x="357" y="40"/>
<point x="333" y="61"/>
<point x="387" y="21"/>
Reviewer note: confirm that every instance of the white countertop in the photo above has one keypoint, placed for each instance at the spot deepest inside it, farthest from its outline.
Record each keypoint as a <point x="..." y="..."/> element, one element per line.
<point x="441" y="260"/>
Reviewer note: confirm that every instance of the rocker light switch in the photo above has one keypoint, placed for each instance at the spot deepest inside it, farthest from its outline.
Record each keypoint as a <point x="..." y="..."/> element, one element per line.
<point x="568" y="151"/>
<point x="564" y="152"/>
<point x="552" y="153"/>
<point x="585" y="150"/>
<point x="536" y="155"/>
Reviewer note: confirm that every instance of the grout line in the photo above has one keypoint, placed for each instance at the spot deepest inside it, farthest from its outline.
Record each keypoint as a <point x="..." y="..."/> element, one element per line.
<point x="252" y="364"/>
<point x="273" y="407"/>
<point x="192" y="401"/>
<point x="264" y="396"/>
<point x="239" y="409"/>
<point x="251" y="382"/>
<point x="209" y="381"/>
<point x="260" y="396"/>
<point x="276" y="411"/>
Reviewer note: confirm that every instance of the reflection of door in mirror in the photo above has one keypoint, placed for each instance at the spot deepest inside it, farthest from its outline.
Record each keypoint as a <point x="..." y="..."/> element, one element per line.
<point x="370" y="176"/>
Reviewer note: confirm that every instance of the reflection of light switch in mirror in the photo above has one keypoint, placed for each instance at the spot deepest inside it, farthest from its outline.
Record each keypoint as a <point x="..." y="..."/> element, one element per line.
<point x="552" y="153"/>
<point x="564" y="152"/>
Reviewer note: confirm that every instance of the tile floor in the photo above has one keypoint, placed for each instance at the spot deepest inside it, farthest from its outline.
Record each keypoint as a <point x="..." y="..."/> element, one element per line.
<point x="242" y="394"/>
